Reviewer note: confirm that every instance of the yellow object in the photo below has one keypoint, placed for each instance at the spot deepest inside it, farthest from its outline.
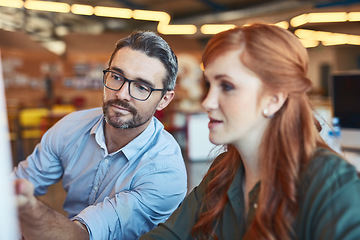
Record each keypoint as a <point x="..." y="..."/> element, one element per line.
<point x="62" y="109"/>
<point x="30" y="122"/>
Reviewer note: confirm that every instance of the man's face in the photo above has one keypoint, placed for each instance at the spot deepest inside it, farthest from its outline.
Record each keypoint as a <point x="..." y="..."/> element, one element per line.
<point x="120" y="109"/>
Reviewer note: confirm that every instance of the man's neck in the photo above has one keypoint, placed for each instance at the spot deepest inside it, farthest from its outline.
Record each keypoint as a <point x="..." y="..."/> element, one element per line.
<point x="116" y="138"/>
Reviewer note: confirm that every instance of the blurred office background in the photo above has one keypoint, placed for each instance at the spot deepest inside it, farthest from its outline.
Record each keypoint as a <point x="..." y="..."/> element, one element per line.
<point x="53" y="54"/>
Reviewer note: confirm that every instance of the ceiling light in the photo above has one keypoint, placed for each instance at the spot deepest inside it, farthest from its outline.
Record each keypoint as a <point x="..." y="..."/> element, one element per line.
<point x="176" y="29"/>
<point x="319" y="18"/>
<point x="327" y="17"/>
<point x="354" y="16"/>
<point x="47" y="6"/>
<point x="354" y="39"/>
<point x="339" y="38"/>
<point x="298" y="20"/>
<point x="82" y="9"/>
<point x="327" y="38"/>
<point x="113" y="12"/>
<point x="305" y="34"/>
<point x="331" y="43"/>
<point x="309" y="43"/>
<point x="215" y="28"/>
<point x="282" y="24"/>
<point x="151" y="16"/>
<point x="12" y="3"/>
<point x="323" y="36"/>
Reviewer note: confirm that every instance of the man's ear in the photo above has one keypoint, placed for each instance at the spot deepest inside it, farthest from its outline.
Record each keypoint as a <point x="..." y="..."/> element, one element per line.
<point x="165" y="100"/>
<point x="275" y="102"/>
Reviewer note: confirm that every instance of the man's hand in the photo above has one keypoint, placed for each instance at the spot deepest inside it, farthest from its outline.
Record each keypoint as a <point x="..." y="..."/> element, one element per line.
<point x="24" y="193"/>
<point x="38" y="221"/>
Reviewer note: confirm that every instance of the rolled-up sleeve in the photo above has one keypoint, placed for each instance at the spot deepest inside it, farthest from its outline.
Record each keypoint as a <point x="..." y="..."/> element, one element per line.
<point x="150" y="201"/>
<point x="43" y="167"/>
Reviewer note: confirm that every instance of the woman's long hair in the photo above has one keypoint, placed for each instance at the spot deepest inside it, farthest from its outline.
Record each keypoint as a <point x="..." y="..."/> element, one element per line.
<point x="278" y="58"/>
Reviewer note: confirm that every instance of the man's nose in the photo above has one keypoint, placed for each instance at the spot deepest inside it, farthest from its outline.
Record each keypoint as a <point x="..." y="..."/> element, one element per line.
<point x="123" y="92"/>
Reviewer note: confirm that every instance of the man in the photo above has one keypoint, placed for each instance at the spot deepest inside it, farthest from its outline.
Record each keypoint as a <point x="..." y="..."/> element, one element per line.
<point x="123" y="173"/>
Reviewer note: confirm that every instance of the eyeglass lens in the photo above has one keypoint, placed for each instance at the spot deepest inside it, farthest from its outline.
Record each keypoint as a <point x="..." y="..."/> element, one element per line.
<point x="137" y="89"/>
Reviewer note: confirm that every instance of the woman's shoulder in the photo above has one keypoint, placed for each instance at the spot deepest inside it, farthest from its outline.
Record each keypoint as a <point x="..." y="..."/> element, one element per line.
<point x="326" y="162"/>
<point x="209" y="174"/>
<point x="214" y="163"/>
<point x="328" y="198"/>
<point x="327" y="170"/>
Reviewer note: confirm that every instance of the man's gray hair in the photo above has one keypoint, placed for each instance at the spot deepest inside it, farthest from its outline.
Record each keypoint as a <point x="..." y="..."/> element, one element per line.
<point x="153" y="46"/>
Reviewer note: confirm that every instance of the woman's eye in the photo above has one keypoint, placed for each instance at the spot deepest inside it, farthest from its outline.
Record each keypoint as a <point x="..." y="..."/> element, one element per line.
<point x="206" y="86"/>
<point x="226" y="86"/>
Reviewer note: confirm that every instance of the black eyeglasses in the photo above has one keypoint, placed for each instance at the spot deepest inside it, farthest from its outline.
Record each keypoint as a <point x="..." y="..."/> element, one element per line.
<point x="137" y="89"/>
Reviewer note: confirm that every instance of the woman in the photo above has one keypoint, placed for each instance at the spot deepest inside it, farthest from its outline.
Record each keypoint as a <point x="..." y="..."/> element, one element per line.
<point x="277" y="178"/>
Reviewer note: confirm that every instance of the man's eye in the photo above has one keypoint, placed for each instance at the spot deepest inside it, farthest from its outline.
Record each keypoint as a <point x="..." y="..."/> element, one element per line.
<point x="117" y="77"/>
<point x="141" y="87"/>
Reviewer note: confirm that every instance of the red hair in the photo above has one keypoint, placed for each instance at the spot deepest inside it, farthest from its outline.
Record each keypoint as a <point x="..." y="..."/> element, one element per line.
<point x="278" y="58"/>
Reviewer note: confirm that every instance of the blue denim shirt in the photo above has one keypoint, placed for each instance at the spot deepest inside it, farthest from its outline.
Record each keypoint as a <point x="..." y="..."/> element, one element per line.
<point x="120" y="195"/>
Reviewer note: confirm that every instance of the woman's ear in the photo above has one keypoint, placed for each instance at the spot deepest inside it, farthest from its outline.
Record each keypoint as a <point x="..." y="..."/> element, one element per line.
<point x="165" y="100"/>
<point x="275" y="102"/>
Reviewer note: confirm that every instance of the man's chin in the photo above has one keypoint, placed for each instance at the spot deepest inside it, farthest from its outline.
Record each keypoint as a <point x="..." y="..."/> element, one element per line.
<point x="119" y="125"/>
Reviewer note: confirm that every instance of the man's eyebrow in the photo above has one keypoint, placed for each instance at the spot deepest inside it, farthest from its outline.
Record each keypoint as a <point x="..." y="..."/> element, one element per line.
<point x="119" y="70"/>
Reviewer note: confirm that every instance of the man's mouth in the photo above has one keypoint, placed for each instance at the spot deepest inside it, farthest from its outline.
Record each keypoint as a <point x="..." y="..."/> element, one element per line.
<point x="122" y="107"/>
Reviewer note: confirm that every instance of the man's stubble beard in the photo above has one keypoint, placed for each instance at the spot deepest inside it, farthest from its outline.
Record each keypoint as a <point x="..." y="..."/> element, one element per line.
<point x="116" y="121"/>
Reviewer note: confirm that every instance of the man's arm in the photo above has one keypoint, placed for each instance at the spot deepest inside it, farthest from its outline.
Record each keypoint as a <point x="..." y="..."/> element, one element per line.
<point x="38" y="221"/>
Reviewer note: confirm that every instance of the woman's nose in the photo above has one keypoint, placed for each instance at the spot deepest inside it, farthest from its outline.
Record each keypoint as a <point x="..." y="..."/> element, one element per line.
<point x="210" y="102"/>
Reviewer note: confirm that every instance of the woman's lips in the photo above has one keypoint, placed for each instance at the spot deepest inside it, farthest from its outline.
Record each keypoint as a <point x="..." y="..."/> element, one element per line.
<point x="213" y="123"/>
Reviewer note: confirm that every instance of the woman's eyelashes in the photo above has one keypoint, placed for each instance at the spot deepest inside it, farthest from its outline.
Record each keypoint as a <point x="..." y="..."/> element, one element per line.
<point x="222" y="84"/>
<point x="206" y="85"/>
<point x="226" y="86"/>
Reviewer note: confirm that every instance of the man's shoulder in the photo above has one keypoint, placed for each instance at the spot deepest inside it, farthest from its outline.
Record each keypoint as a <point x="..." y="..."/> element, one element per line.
<point x="80" y="120"/>
<point x="85" y="114"/>
<point x="162" y="136"/>
<point x="162" y="147"/>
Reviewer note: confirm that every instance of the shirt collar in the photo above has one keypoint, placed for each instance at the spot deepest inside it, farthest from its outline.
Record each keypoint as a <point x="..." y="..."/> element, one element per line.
<point x="98" y="131"/>
<point x="138" y="143"/>
<point x="133" y="147"/>
<point x="236" y="195"/>
<point x="235" y="188"/>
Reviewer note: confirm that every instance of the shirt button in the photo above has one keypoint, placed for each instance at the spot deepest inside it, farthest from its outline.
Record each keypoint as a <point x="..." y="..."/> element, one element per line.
<point x="106" y="161"/>
<point x="96" y="188"/>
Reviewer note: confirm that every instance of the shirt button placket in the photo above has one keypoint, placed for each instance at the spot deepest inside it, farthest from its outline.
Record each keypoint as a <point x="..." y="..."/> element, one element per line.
<point x="98" y="179"/>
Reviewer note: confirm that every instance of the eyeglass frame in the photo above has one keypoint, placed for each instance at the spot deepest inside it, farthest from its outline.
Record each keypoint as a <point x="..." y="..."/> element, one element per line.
<point x="130" y="81"/>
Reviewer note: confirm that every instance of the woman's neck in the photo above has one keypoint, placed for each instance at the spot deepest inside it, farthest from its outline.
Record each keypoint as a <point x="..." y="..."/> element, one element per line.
<point x="250" y="159"/>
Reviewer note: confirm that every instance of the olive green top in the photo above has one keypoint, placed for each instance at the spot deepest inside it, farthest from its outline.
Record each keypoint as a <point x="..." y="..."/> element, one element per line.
<point x="329" y="205"/>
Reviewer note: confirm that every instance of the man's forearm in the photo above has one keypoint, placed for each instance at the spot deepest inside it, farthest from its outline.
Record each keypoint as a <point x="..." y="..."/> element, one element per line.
<point x="42" y="222"/>
<point x="38" y="221"/>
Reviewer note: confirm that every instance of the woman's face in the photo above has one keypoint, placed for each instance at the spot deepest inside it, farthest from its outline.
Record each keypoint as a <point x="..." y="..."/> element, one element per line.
<point x="232" y="102"/>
